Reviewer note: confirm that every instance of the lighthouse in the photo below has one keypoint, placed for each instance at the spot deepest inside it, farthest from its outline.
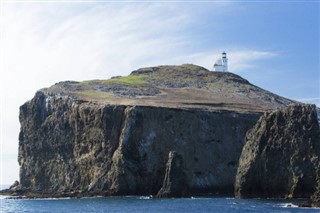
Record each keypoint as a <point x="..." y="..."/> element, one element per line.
<point x="221" y="64"/>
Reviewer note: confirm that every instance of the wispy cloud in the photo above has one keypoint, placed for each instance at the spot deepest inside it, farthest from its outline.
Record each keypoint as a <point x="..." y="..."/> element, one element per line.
<point x="243" y="60"/>
<point x="93" y="43"/>
<point x="312" y="100"/>
<point x="101" y="40"/>
<point x="309" y="99"/>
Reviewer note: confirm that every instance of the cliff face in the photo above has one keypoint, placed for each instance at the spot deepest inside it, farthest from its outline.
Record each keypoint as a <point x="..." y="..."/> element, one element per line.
<point x="281" y="155"/>
<point x="68" y="146"/>
<point x="166" y="131"/>
<point x="315" y="199"/>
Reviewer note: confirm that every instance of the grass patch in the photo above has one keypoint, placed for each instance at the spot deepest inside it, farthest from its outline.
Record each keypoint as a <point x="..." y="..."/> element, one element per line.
<point x="209" y="78"/>
<point x="95" y="94"/>
<point x="85" y="83"/>
<point x="131" y="79"/>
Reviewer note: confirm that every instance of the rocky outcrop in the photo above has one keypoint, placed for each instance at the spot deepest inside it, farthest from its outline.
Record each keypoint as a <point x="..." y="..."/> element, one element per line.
<point x="315" y="199"/>
<point x="70" y="147"/>
<point x="281" y="155"/>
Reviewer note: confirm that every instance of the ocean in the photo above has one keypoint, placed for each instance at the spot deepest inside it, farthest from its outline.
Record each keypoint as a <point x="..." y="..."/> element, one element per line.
<point x="133" y="204"/>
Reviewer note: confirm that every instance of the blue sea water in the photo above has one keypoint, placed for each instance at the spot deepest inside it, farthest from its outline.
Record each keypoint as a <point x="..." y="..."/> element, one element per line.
<point x="145" y="204"/>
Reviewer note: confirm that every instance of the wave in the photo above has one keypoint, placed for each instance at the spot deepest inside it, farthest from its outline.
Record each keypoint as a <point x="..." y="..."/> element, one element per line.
<point x="291" y="205"/>
<point x="2" y="197"/>
<point x="146" y="197"/>
<point x="288" y="205"/>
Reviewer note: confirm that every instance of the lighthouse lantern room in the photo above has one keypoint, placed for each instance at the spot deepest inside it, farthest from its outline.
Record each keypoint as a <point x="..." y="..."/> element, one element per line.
<point x="221" y="64"/>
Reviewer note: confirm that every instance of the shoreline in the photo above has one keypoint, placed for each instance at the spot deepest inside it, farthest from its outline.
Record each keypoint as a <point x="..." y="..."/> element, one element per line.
<point x="301" y="203"/>
<point x="11" y="194"/>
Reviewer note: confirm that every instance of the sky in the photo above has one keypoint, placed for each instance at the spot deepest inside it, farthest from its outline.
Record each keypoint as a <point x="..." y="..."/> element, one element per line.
<point x="273" y="44"/>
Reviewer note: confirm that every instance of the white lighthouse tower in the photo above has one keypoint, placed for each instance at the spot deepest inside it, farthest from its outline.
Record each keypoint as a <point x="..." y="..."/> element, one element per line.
<point x="221" y="64"/>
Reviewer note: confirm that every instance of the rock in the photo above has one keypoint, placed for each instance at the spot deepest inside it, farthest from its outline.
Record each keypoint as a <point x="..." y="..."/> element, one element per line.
<point x="15" y="185"/>
<point x="280" y="157"/>
<point x="315" y="199"/>
<point x="175" y="180"/>
<point x="14" y="190"/>
<point x="315" y="202"/>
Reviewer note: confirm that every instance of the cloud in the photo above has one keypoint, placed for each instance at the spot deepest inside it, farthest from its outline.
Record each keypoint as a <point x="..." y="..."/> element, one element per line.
<point x="309" y="99"/>
<point x="313" y="100"/>
<point x="243" y="60"/>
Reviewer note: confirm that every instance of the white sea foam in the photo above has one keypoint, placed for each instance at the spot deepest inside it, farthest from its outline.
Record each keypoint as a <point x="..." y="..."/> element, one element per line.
<point x="145" y="197"/>
<point x="200" y="198"/>
<point x="289" y="205"/>
<point x="4" y="197"/>
<point x="51" y="198"/>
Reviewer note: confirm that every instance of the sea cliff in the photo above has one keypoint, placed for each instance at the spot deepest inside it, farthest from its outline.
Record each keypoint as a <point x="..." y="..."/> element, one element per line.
<point x="68" y="147"/>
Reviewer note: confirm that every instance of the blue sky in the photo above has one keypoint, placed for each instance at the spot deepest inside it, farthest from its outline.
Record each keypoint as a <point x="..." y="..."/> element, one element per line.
<point x="273" y="44"/>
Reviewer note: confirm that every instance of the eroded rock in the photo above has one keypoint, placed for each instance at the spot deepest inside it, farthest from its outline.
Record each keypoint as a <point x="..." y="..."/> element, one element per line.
<point x="175" y="182"/>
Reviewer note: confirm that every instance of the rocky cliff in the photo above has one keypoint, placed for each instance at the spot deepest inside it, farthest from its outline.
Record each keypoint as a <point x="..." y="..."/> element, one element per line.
<point x="166" y="131"/>
<point x="281" y="155"/>
<point x="119" y="150"/>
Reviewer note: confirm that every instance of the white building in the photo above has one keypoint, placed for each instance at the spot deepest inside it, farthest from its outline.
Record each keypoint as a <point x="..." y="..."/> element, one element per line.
<point x="221" y="64"/>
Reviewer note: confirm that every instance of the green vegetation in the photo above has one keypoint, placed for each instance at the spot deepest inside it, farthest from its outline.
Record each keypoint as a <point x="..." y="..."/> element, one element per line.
<point x="190" y="67"/>
<point x="209" y="78"/>
<point x="95" y="94"/>
<point x="131" y="79"/>
<point x="84" y="83"/>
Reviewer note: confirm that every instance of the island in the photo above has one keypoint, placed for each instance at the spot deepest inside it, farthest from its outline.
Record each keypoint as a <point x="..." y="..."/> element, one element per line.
<point x="167" y="131"/>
